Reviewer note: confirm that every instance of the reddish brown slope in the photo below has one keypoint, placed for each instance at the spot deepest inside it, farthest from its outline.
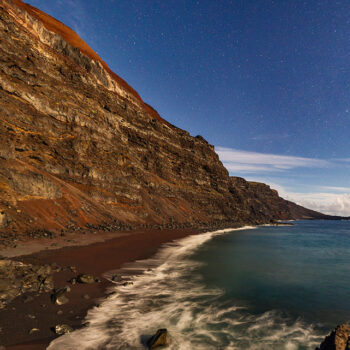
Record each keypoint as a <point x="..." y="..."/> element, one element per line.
<point x="74" y="39"/>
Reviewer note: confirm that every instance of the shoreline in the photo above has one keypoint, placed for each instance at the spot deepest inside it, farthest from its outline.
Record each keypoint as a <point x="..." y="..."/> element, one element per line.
<point x="116" y="251"/>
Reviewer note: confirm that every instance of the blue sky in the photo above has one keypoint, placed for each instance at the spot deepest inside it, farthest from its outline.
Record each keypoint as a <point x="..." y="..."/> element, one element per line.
<point x="267" y="82"/>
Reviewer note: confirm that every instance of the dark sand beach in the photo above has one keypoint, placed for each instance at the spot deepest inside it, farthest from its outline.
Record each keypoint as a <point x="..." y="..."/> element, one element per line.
<point x="94" y="259"/>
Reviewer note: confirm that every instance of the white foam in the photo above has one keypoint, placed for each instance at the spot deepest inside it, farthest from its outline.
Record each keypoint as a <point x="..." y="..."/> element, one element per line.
<point x="169" y="294"/>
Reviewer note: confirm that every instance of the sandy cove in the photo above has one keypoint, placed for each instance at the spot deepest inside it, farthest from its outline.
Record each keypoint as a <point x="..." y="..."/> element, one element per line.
<point x="93" y="253"/>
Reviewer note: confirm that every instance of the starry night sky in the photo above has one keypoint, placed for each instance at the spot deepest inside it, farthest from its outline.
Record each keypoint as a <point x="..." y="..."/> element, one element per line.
<point x="267" y="82"/>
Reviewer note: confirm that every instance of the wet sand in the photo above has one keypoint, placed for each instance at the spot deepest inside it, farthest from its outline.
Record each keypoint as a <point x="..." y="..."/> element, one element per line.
<point x="20" y="317"/>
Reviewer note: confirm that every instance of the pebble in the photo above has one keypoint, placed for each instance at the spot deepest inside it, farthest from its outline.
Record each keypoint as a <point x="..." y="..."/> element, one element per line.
<point x="128" y="283"/>
<point x="85" y="278"/>
<point x="73" y="280"/>
<point x="33" y="330"/>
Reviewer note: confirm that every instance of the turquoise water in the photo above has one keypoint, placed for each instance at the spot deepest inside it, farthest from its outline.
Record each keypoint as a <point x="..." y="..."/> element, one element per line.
<point x="261" y="288"/>
<point x="301" y="270"/>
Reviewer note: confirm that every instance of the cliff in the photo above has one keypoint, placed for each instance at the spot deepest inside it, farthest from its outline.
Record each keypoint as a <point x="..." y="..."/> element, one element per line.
<point x="79" y="147"/>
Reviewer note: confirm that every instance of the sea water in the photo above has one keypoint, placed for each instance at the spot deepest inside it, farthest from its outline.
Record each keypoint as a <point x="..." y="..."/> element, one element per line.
<point x="261" y="288"/>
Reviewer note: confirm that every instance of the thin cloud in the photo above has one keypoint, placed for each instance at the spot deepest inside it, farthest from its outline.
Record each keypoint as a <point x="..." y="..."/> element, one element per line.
<point x="248" y="168"/>
<point x="327" y="203"/>
<point x="347" y="160"/>
<point x="336" y="188"/>
<point x="254" y="162"/>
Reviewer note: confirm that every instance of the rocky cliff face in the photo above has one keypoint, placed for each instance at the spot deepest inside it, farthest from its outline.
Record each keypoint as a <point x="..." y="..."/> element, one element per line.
<point x="78" y="145"/>
<point x="338" y="339"/>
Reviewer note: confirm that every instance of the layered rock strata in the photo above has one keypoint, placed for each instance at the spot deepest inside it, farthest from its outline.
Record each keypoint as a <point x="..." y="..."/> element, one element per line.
<point x="78" y="146"/>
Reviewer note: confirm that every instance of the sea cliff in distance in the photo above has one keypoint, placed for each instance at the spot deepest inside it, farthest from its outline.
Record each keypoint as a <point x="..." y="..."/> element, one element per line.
<point x="79" y="148"/>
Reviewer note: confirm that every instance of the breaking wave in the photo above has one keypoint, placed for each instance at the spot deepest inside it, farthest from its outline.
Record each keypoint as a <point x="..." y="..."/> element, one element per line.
<point x="166" y="292"/>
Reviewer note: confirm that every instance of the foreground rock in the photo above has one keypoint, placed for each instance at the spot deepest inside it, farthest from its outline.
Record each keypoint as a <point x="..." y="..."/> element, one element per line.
<point x="338" y="339"/>
<point x="34" y="330"/>
<point x="61" y="329"/>
<point x="59" y="296"/>
<point x="85" y="278"/>
<point x="17" y="278"/>
<point x="161" y="338"/>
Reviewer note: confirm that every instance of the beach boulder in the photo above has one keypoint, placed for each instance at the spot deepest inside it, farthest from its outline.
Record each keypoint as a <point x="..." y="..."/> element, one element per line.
<point x="85" y="278"/>
<point x="160" y="338"/>
<point x="338" y="339"/>
<point x="61" y="329"/>
<point x="59" y="295"/>
<point x="18" y="278"/>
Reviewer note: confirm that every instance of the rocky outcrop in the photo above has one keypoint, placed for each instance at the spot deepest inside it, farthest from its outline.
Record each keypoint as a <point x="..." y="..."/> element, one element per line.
<point x="17" y="278"/>
<point x="159" y="339"/>
<point x="338" y="339"/>
<point x="261" y="202"/>
<point x="61" y="329"/>
<point x="79" y="147"/>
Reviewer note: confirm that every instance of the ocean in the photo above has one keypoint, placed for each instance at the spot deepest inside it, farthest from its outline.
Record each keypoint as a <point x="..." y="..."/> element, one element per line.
<point x="267" y="287"/>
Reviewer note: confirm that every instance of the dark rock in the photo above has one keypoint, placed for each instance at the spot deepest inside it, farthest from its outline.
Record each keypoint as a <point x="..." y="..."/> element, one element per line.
<point x="61" y="329"/>
<point x="115" y="278"/>
<point x="73" y="269"/>
<point x="46" y="283"/>
<point x="55" y="267"/>
<point x="34" y="330"/>
<point x="61" y="300"/>
<point x="73" y="280"/>
<point x="59" y="295"/>
<point x="17" y="278"/>
<point x="127" y="283"/>
<point x="338" y="339"/>
<point x="85" y="278"/>
<point x="161" y="338"/>
<point x="4" y="219"/>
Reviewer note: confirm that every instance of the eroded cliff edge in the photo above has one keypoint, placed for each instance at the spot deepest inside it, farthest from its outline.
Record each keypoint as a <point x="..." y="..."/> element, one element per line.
<point x="78" y="146"/>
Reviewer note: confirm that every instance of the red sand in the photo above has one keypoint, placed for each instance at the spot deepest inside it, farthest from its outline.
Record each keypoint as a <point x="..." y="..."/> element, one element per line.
<point x="93" y="259"/>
